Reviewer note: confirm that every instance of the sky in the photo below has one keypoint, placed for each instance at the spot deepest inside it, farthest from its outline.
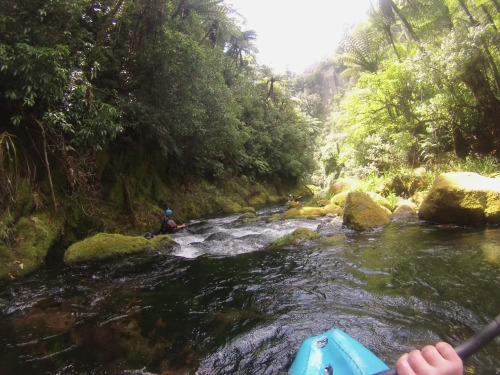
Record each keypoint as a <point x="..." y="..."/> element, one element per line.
<point x="292" y="34"/>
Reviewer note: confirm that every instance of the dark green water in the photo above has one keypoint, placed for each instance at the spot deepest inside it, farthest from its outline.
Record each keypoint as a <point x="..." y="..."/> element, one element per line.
<point x="222" y="304"/>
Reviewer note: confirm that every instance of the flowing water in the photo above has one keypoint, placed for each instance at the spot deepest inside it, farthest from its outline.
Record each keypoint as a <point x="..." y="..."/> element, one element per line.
<point x="221" y="303"/>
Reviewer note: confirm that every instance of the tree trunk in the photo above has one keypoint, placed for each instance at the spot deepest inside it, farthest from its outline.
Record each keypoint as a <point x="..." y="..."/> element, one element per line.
<point x="460" y="144"/>
<point x="488" y="103"/>
<point x="467" y="12"/>
<point x="46" y="162"/>
<point x="391" y="40"/>
<point x="496" y="4"/>
<point x="180" y="9"/>
<point x="403" y="19"/>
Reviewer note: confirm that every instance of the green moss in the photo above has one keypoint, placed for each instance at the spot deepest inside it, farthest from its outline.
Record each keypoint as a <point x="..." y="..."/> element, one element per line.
<point x="250" y="217"/>
<point x="298" y="236"/>
<point x="304" y="212"/>
<point x="146" y="184"/>
<point x="362" y="213"/>
<point x="274" y="217"/>
<point x="104" y="246"/>
<point x="492" y="210"/>
<point x="339" y="199"/>
<point x="333" y="209"/>
<point x="382" y="201"/>
<point x="34" y="236"/>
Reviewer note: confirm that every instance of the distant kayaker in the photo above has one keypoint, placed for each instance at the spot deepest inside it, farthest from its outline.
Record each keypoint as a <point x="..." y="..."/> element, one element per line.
<point x="168" y="225"/>
<point x="431" y="360"/>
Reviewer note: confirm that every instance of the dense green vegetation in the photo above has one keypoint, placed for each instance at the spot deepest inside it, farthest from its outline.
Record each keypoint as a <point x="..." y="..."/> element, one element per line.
<point x="84" y="83"/>
<point x="424" y="88"/>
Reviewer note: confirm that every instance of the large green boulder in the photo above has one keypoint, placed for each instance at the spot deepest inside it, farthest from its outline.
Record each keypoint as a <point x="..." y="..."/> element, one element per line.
<point x="333" y="210"/>
<point x="339" y="199"/>
<point x="405" y="210"/>
<point x="362" y="213"/>
<point x="105" y="246"/>
<point x="380" y="200"/>
<point x="298" y="236"/>
<point x="463" y="198"/>
<point x="304" y="212"/>
<point x="34" y="236"/>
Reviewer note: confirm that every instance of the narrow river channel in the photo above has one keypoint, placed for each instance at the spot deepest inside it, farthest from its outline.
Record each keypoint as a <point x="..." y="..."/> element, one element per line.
<point x="221" y="303"/>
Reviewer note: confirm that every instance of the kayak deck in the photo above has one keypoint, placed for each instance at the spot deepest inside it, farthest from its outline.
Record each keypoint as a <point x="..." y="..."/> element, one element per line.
<point x="337" y="351"/>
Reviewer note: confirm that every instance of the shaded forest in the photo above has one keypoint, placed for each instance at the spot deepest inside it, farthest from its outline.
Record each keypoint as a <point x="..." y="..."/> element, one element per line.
<point x="91" y="85"/>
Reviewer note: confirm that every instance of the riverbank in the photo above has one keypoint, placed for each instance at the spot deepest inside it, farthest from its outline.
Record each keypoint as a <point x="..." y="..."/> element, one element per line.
<point x="34" y="234"/>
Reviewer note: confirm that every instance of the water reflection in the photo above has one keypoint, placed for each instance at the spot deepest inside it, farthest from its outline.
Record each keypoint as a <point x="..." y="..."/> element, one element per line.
<point x="223" y="304"/>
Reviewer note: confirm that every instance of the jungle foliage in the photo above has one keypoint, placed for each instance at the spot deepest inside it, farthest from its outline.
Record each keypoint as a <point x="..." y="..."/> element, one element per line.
<point x="424" y="85"/>
<point x="173" y="78"/>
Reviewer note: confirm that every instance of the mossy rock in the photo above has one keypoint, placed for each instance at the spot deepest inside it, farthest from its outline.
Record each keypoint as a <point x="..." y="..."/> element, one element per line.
<point x="339" y="199"/>
<point x="361" y="212"/>
<point x="384" y="202"/>
<point x="231" y="207"/>
<point x="297" y="237"/>
<point x="249" y="217"/>
<point x="105" y="246"/>
<point x="462" y="198"/>
<point x="274" y="217"/>
<point x="35" y="236"/>
<point x="419" y="197"/>
<point x="491" y="252"/>
<point x="333" y="209"/>
<point x="304" y="212"/>
<point x="405" y="212"/>
<point x="323" y="202"/>
<point x="248" y="209"/>
<point x="260" y="199"/>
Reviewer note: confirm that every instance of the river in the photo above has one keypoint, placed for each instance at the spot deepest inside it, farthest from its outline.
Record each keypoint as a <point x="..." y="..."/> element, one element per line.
<point x="221" y="303"/>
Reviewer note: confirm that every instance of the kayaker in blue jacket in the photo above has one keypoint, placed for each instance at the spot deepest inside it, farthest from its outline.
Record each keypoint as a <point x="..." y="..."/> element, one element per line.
<point x="168" y="225"/>
<point x="431" y="360"/>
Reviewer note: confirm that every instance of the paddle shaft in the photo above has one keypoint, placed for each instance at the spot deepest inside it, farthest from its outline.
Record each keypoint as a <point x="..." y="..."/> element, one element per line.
<point x="176" y="218"/>
<point x="469" y="347"/>
<point x="165" y="205"/>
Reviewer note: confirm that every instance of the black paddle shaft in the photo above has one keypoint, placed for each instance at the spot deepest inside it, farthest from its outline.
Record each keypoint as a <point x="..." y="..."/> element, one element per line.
<point x="472" y="345"/>
<point x="165" y="205"/>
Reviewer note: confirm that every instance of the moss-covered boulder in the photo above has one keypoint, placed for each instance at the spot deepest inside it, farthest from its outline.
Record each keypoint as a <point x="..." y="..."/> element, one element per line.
<point x="323" y="202"/>
<point x="333" y="210"/>
<point x="34" y="236"/>
<point x="304" y="212"/>
<point x="419" y="197"/>
<point x="105" y="246"/>
<point x="405" y="212"/>
<point x="298" y="236"/>
<point x="382" y="201"/>
<point x="339" y="199"/>
<point x="249" y="217"/>
<point x="462" y="198"/>
<point x="274" y="217"/>
<point x="361" y="212"/>
<point x="343" y="185"/>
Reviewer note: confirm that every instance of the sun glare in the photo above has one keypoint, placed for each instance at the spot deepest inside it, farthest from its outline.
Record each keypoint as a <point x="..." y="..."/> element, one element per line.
<point x="294" y="35"/>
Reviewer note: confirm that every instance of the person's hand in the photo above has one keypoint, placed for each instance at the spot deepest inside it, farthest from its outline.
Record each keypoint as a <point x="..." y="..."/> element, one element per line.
<point x="431" y="360"/>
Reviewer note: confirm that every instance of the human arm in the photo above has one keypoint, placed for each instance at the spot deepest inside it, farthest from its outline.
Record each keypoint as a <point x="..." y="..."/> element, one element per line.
<point x="431" y="360"/>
